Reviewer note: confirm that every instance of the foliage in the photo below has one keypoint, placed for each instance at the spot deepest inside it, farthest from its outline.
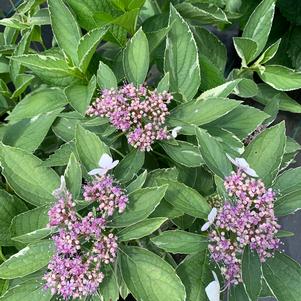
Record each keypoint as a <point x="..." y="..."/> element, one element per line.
<point x="171" y="46"/>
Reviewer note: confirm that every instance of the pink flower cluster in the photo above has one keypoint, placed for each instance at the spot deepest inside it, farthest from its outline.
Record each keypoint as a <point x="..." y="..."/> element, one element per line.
<point x="138" y="112"/>
<point x="248" y="220"/>
<point x="83" y="244"/>
<point x="108" y="196"/>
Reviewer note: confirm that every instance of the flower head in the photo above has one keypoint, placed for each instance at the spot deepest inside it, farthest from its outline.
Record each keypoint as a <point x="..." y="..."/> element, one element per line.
<point x="138" y="112"/>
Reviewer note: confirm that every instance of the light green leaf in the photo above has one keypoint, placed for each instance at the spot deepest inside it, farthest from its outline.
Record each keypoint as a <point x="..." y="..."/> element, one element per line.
<point x="251" y="273"/>
<point x="242" y="121"/>
<point x="288" y="203"/>
<point x="87" y="46"/>
<point x="246" y="88"/>
<point x="9" y="207"/>
<point x="264" y="154"/>
<point x="280" y="77"/>
<point x="163" y="84"/>
<point x="186" y="199"/>
<point x="41" y="17"/>
<point x="66" y="31"/>
<point x="156" y="37"/>
<point x="61" y="156"/>
<point x="269" y="53"/>
<point x="129" y="166"/>
<point x="181" y="57"/>
<point x="220" y="91"/>
<point x="283" y="276"/>
<point x="284" y="233"/>
<point x="184" y="153"/>
<point x="136" y="58"/>
<point x="106" y="78"/>
<point x="33" y="236"/>
<point x="108" y="289"/>
<point x="195" y="274"/>
<point x="238" y="293"/>
<point x="141" y="229"/>
<point x="22" y="47"/>
<point x="80" y="96"/>
<point x="21" y="83"/>
<point x="31" y="290"/>
<point x="289" y="181"/>
<point x="27" y="177"/>
<point x="267" y="94"/>
<point x="73" y="176"/>
<point x="141" y="204"/>
<point x="137" y="183"/>
<point x="28" y="134"/>
<point x="246" y="48"/>
<point x="149" y="277"/>
<point x="28" y="260"/>
<point x="50" y="69"/>
<point x="38" y="102"/>
<point x="89" y="147"/>
<point x="180" y="242"/>
<point x="259" y="24"/>
<point x="30" y="221"/>
<point x="199" y="112"/>
<point x="213" y="154"/>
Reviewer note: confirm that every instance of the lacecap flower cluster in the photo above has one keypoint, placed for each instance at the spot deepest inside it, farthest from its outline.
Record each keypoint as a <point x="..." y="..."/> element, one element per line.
<point x="246" y="219"/>
<point x="138" y="112"/>
<point x="83" y="244"/>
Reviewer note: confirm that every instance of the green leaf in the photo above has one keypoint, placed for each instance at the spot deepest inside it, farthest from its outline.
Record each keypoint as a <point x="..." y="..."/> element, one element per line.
<point x="199" y="112"/>
<point x="28" y="260"/>
<point x="33" y="236"/>
<point x="9" y="207"/>
<point x="220" y="91"/>
<point x="137" y="183"/>
<point x="284" y="233"/>
<point x="181" y="57"/>
<point x="141" y="229"/>
<point x="141" y="204"/>
<point x="30" y="221"/>
<point x="136" y="58"/>
<point x="163" y="84"/>
<point x="61" y="156"/>
<point x="38" y="102"/>
<point x="288" y="203"/>
<point x="155" y="176"/>
<point x="204" y="13"/>
<point x="246" y="48"/>
<point x="109" y="286"/>
<point x="87" y="46"/>
<point x="149" y="277"/>
<point x="21" y="83"/>
<point x="89" y="147"/>
<point x="267" y="94"/>
<point x="73" y="176"/>
<point x="238" y="293"/>
<point x="206" y="41"/>
<point x="289" y="181"/>
<point x="28" y="134"/>
<point x="41" y="17"/>
<point x="213" y="154"/>
<point x="156" y="37"/>
<point x="31" y="290"/>
<point x="129" y="166"/>
<point x="269" y="53"/>
<point x="280" y="77"/>
<point x="264" y="154"/>
<point x="259" y="24"/>
<point x="106" y="78"/>
<point x="26" y="175"/>
<point x="186" y="199"/>
<point x="180" y="242"/>
<point x="64" y="26"/>
<point x="242" y="121"/>
<point x="80" y="96"/>
<point x="195" y="274"/>
<point x="50" y="69"/>
<point x="283" y="276"/>
<point x="184" y="153"/>
<point x="251" y="273"/>
<point x="22" y="47"/>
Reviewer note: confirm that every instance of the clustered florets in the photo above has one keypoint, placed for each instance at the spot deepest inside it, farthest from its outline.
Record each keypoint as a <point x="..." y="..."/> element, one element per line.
<point x="82" y="243"/>
<point x="138" y="112"/>
<point x="248" y="220"/>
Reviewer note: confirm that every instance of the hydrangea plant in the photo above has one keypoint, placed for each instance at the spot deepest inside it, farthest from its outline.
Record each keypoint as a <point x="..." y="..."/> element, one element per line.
<point x="136" y="161"/>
